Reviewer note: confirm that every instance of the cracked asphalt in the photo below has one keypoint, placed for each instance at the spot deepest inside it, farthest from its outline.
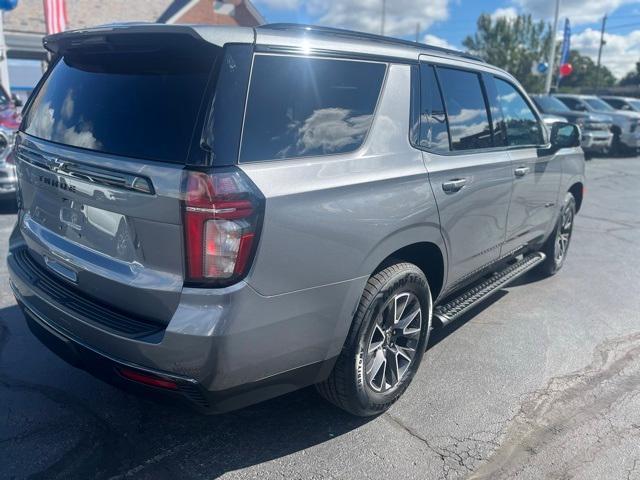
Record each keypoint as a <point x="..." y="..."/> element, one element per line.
<point x="541" y="382"/>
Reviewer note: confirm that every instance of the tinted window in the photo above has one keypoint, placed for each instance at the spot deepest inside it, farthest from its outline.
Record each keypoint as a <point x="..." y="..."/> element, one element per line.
<point x="550" y="104"/>
<point x="572" y="103"/>
<point x="598" y="104"/>
<point x="301" y="106"/>
<point x="522" y="125"/>
<point x="615" y="102"/>
<point x="141" y="105"/>
<point x="433" y="120"/>
<point x="466" y="109"/>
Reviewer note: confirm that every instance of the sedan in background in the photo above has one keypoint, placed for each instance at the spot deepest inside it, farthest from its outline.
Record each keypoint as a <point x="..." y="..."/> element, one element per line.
<point x="596" y="128"/>
<point x="626" y="134"/>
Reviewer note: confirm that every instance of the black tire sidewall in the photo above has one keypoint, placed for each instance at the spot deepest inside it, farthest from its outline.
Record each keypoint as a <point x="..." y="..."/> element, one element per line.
<point x="410" y="280"/>
<point x="550" y="251"/>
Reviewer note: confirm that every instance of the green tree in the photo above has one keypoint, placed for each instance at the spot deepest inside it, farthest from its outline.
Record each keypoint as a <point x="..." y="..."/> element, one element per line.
<point x="514" y="44"/>
<point x="585" y="73"/>
<point x="632" y="78"/>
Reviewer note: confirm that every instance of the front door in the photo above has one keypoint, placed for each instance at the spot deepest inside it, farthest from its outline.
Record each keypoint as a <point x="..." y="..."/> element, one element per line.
<point x="536" y="174"/>
<point x="470" y="177"/>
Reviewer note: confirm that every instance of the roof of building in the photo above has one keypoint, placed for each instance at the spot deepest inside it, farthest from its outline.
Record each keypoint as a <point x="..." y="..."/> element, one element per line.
<point x="28" y="16"/>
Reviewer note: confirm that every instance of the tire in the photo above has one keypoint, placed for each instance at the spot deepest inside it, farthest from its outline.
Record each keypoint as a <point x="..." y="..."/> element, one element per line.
<point x="358" y="382"/>
<point x="556" y="246"/>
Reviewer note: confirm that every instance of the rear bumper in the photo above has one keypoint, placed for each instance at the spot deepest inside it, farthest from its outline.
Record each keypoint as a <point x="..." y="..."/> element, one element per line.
<point x="224" y="348"/>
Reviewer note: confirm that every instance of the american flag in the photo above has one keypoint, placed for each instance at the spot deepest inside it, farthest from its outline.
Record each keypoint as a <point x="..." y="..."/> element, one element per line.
<point x="55" y="16"/>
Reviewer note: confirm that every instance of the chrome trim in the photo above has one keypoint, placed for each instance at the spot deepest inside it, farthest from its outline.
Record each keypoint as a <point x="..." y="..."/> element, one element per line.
<point x="89" y="174"/>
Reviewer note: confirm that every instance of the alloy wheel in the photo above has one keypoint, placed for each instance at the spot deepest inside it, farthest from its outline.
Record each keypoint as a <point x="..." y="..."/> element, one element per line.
<point x="563" y="236"/>
<point x="393" y="343"/>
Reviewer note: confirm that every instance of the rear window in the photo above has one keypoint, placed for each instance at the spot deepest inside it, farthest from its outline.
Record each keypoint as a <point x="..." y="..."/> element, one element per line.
<point x="300" y="106"/>
<point x="142" y="103"/>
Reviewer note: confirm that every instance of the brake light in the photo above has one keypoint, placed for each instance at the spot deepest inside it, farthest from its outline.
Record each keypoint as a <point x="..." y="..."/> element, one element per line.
<point x="222" y="214"/>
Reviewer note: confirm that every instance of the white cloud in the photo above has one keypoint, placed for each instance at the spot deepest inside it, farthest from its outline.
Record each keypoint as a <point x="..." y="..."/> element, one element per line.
<point x="578" y="11"/>
<point x="279" y="4"/>
<point x="401" y="16"/>
<point x="619" y="54"/>
<point x="430" y="39"/>
<point x="508" y="12"/>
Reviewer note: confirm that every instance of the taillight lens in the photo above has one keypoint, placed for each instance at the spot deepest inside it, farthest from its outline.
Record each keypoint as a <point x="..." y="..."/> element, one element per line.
<point x="222" y="213"/>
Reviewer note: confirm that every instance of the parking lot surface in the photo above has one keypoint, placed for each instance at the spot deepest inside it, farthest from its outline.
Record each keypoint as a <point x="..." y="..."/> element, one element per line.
<point x="543" y="381"/>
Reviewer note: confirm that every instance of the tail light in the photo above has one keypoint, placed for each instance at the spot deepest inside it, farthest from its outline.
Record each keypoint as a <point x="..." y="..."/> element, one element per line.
<point x="222" y="216"/>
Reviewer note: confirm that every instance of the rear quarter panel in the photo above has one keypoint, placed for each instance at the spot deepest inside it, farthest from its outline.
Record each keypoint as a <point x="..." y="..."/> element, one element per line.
<point x="335" y="218"/>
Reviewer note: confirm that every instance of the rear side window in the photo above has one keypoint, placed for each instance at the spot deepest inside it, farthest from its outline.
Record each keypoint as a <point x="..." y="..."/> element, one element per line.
<point x="522" y="125"/>
<point x="433" y="119"/>
<point x="138" y="103"/>
<point x="300" y="106"/>
<point x="466" y="109"/>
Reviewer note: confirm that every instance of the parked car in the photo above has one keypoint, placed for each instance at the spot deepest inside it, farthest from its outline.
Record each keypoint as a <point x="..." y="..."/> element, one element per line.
<point x="309" y="225"/>
<point x="549" y="119"/>
<point x="596" y="128"/>
<point x="628" y="104"/>
<point x="10" y="117"/>
<point x="8" y="179"/>
<point x="626" y="134"/>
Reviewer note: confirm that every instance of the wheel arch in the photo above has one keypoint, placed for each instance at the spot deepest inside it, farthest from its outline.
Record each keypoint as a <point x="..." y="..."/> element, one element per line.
<point x="577" y="190"/>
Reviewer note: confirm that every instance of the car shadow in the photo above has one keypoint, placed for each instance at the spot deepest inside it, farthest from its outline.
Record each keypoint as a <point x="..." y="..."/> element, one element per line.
<point x="114" y="434"/>
<point x="8" y="206"/>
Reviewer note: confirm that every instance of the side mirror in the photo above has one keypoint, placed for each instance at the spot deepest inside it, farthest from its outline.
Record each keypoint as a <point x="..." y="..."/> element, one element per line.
<point x="16" y="100"/>
<point x="625" y="107"/>
<point x="564" y="135"/>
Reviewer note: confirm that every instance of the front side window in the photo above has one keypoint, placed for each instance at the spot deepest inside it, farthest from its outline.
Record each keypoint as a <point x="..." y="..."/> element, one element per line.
<point x="300" y="106"/>
<point x="522" y="125"/>
<point x="466" y="109"/>
<point x="433" y="119"/>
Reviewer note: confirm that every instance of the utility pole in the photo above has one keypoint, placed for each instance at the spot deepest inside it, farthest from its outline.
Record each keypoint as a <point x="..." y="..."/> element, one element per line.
<point x="418" y="32"/>
<point x="552" y="51"/>
<point x="602" y="42"/>
<point x="384" y="12"/>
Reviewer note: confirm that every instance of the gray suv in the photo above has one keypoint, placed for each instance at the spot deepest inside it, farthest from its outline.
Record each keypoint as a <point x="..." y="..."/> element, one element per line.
<point x="225" y="214"/>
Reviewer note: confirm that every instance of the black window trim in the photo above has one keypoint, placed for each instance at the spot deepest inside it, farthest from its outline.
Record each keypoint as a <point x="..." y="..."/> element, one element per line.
<point x="329" y="56"/>
<point x="484" y="75"/>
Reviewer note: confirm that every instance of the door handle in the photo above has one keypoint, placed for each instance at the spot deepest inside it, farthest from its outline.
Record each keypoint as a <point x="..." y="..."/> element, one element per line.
<point x="454" y="185"/>
<point x="521" y="171"/>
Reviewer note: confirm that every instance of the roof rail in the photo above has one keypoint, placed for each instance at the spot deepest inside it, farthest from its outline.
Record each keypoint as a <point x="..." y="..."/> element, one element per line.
<point x="297" y="27"/>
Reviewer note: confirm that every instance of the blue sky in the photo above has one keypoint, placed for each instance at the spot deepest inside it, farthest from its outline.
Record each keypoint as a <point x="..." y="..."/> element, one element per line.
<point x="447" y="22"/>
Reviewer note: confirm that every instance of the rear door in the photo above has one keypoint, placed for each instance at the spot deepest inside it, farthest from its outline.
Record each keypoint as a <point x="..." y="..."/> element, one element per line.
<point x="470" y="172"/>
<point x="536" y="173"/>
<point x="100" y="161"/>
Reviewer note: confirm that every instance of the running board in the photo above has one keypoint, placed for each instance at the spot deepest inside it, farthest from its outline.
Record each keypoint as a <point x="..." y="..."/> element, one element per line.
<point x="453" y="309"/>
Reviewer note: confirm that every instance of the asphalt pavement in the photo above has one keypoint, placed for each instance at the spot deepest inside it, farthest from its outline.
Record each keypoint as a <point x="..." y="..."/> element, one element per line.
<point x="541" y="382"/>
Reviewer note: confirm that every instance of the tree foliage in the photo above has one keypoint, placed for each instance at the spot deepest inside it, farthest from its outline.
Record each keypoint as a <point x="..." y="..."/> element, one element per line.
<point x="585" y="73"/>
<point x="514" y="44"/>
<point x="632" y="78"/>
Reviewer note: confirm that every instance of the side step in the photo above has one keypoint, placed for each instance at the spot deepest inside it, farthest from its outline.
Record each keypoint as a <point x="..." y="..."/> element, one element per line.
<point x="455" y="308"/>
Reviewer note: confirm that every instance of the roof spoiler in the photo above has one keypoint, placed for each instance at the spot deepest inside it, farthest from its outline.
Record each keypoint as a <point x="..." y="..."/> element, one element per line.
<point x="105" y="36"/>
